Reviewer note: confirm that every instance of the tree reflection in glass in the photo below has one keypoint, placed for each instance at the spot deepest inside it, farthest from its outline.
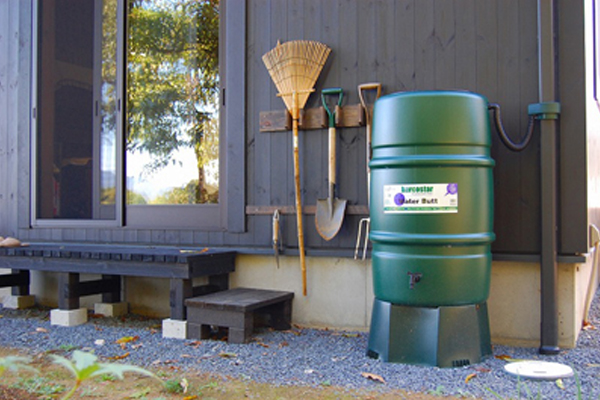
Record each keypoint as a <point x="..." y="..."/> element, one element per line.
<point x="172" y="141"/>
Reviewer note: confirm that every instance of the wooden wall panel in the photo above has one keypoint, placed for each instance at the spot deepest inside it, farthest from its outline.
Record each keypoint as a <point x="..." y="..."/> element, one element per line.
<point x="465" y="43"/>
<point x="529" y="162"/>
<point x="486" y="46"/>
<point x="574" y="155"/>
<point x="445" y="45"/>
<point x="4" y="123"/>
<point x="12" y="70"/>
<point x="509" y="194"/>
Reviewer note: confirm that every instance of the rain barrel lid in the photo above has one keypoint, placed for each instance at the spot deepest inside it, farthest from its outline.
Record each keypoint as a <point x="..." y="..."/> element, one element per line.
<point x="540" y="370"/>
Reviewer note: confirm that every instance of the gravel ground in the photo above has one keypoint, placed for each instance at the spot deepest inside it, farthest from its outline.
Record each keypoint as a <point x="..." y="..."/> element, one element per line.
<point x="306" y="357"/>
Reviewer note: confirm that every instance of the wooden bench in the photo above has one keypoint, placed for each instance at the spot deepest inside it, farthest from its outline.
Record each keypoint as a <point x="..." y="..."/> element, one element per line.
<point x="236" y="309"/>
<point x="69" y="260"/>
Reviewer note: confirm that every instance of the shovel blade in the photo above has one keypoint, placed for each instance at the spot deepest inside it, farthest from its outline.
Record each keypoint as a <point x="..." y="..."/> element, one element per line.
<point x="329" y="217"/>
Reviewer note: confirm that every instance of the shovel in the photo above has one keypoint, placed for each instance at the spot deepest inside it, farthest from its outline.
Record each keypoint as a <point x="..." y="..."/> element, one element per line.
<point x="330" y="211"/>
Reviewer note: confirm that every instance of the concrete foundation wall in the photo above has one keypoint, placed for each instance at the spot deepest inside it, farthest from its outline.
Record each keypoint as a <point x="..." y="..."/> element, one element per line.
<point x="514" y="303"/>
<point x="340" y="294"/>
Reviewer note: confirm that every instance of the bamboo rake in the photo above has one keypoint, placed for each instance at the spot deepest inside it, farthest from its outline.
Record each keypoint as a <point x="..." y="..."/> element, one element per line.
<point x="294" y="67"/>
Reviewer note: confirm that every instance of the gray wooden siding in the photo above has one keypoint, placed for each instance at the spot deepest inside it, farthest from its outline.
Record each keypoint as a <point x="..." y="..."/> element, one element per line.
<point x="15" y="47"/>
<point x="485" y="46"/>
<point x="573" y="138"/>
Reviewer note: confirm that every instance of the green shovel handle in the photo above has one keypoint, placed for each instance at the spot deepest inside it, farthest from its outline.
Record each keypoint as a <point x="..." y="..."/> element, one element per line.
<point x="331" y="92"/>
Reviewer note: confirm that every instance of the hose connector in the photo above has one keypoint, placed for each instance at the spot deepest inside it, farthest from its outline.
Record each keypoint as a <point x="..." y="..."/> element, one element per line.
<point x="545" y="110"/>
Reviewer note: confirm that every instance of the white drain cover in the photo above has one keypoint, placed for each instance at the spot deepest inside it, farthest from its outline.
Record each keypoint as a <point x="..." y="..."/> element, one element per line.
<point x="539" y="370"/>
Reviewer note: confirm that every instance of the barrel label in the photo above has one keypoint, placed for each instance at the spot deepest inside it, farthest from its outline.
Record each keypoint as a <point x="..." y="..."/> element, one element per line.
<point x="426" y="198"/>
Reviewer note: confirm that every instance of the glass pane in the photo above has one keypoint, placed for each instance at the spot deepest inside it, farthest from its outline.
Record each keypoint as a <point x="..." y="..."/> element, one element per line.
<point x="109" y="116"/>
<point x="172" y="144"/>
<point x="75" y="102"/>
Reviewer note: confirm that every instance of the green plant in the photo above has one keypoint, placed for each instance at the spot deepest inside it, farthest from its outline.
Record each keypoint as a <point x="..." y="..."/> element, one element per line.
<point x="41" y="386"/>
<point x="84" y="366"/>
<point x="89" y="392"/>
<point x="439" y="391"/>
<point x="15" y="364"/>
<point x="67" y="347"/>
<point x="107" y="378"/>
<point x="173" y="386"/>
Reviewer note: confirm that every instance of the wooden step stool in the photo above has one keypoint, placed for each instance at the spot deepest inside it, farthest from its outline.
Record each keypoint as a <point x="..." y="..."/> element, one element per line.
<point x="236" y="309"/>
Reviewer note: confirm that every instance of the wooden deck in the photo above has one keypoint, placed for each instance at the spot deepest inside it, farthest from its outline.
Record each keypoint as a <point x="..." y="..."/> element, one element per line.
<point x="69" y="260"/>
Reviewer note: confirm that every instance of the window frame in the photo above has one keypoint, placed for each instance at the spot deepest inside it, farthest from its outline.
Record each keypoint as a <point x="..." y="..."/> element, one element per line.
<point x="229" y="213"/>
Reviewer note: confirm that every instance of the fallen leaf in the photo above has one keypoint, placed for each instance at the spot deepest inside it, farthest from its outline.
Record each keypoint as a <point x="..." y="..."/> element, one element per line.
<point x="373" y="377"/>
<point x="122" y="356"/>
<point x="469" y="377"/>
<point x="204" y="250"/>
<point x="127" y="339"/>
<point x="195" y="343"/>
<point x="41" y="330"/>
<point x="184" y="384"/>
<point x="587" y="326"/>
<point x="186" y="356"/>
<point x="482" y="369"/>
<point x="560" y="384"/>
<point x="592" y="365"/>
<point x="225" y="354"/>
<point x="190" y="397"/>
<point x="508" y="358"/>
<point x="263" y="344"/>
<point x="283" y="344"/>
<point x="351" y="335"/>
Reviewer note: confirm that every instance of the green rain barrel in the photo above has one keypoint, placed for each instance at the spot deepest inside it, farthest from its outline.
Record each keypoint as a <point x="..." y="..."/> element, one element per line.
<point x="431" y="199"/>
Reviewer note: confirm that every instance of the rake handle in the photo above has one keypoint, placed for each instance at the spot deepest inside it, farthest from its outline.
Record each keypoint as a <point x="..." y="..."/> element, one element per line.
<point x="299" y="221"/>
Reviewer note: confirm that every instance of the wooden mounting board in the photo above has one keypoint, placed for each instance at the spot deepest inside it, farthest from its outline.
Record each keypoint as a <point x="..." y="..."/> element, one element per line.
<point x="350" y="116"/>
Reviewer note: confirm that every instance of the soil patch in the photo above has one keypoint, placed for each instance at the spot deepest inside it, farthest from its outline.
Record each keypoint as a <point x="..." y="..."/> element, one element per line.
<point x="53" y="382"/>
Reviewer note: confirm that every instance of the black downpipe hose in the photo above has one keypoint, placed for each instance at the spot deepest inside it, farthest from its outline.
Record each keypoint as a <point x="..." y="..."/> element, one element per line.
<point x="546" y="112"/>
<point x="504" y="136"/>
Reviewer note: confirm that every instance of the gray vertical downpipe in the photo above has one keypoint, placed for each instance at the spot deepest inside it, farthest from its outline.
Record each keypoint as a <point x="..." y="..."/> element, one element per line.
<point x="548" y="151"/>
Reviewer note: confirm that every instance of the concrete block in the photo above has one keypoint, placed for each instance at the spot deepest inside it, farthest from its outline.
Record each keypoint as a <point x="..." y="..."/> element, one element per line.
<point x="68" y="317"/>
<point x="111" y="309"/>
<point x="174" y="328"/>
<point x="18" y="302"/>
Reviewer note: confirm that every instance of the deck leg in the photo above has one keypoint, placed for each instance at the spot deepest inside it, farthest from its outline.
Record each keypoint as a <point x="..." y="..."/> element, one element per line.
<point x="24" y="278"/>
<point x="281" y="315"/>
<point x="68" y="299"/>
<point x="181" y="289"/>
<point x="241" y="332"/>
<point x="221" y="281"/>
<point x="114" y="296"/>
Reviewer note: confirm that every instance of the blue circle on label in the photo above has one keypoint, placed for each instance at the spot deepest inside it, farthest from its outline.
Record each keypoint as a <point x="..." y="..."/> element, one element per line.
<point x="399" y="199"/>
<point x="452" y="188"/>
